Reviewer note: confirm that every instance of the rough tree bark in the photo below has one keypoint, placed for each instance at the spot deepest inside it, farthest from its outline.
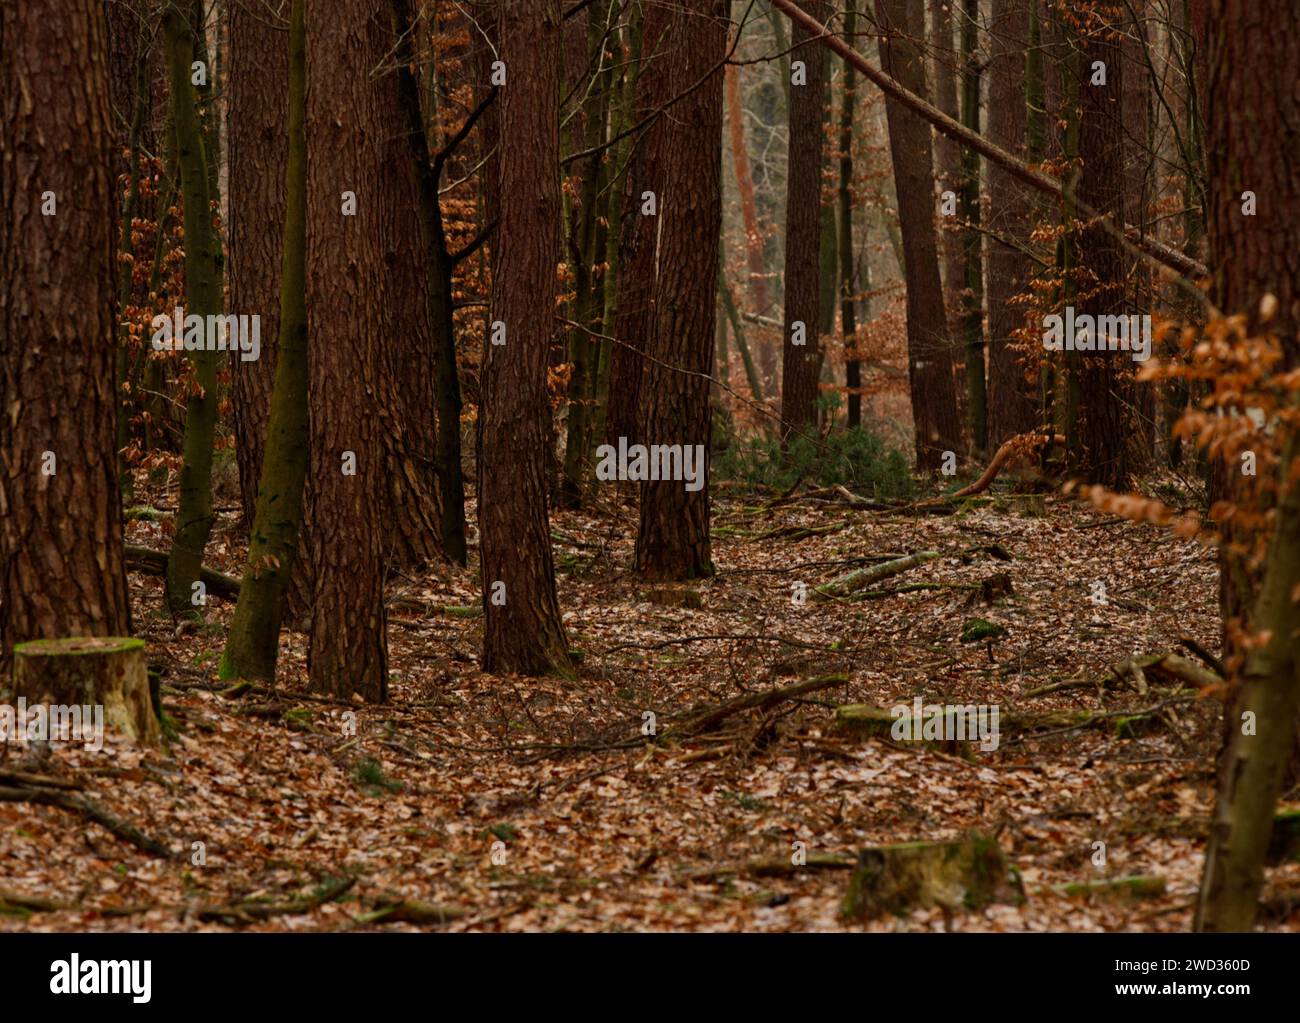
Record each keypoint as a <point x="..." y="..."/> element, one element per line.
<point x="523" y="632"/>
<point x="253" y="645"/>
<point x="639" y="237"/>
<point x="1013" y="401"/>
<point x="1099" y="450"/>
<point x="346" y="294"/>
<point x="439" y="267"/>
<point x="408" y="391"/>
<point x="257" y="91"/>
<point x="61" y="574"/>
<point x="801" y="355"/>
<point x="673" y="539"/>
<point x="929" y="350"/>
<point x="1247" y="103"/>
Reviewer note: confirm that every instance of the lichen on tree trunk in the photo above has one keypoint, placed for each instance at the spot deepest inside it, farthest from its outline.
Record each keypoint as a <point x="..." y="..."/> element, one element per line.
<point x="194" y="516"/>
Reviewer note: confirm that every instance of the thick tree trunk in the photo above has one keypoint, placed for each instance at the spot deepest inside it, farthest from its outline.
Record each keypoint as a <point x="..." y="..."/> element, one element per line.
<point x="1099" y="450"/>
<point x="1013" y="401"/>
<point x="61" y="574"/>
<point x="1254" y="256"/>
<point x="929" y="350"/>
<point x="673" y="539"/>
<point x="346" y="295"/>
<point x="257" y="92"/>
<point x="438" y="289"/>
<point x="801" y="355"/>
<point x="1261" y="729"/>
<point x="194" y="515"/>
<point x="408" y="391"/>
<point x="253" y="645"/>
<point x="523" y="632"/>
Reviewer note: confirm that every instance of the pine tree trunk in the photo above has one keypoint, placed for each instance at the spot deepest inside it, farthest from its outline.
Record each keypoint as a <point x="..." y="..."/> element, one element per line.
<point x="408" y="390"/>
<point x="1100" y="448"/>
<point x="194" y="515"/>
<point x="438" y="266"/>
<point x="948" y="158"/>
<point x="929" y="349"/>
<point x="253" y="644"/>
<point x="1256" y="256"/>
<point x="801" y="356"/>
<point x="585" y="234"/>
<point x="61" y="574"/>
<point x="1261" y="725"/>
<point x="258" y="153"/>
<point x="639" y="236"/>
<point x="523" y="632"/>
<point x="848" y="305"/>
<point x="673" y="538"/>
<point x="972" y="293"/>
<point x="1013" y="401"/>
<point x="346" y="295"/>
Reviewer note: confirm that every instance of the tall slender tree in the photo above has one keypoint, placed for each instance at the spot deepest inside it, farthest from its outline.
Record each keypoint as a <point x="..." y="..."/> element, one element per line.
<point x="61" y="571"/>
<point x="523" y="632"/>
<point x="1013" y="403"/>
<point x="253" y="645"/>
<point x="258" y="152"/>
<point x="203" y="272"/>
<point x="639" y="235"/>
<point x="673" y="538"/>
<point x="1255" y="256"/>
<point x="929" y="349"/>
<point x="801" y="353"/>
<point x="848" y="276"/>
<point x="1100" y="382"/>
<point x="346" y="295"/>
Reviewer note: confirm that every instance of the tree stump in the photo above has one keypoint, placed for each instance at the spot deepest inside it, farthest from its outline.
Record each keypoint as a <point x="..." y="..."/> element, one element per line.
<point x="967" y="874"/>
<point x="90" y="671"/>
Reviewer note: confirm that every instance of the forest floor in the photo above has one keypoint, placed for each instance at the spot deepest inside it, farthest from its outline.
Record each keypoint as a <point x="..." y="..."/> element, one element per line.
<point x="472" y="802"/>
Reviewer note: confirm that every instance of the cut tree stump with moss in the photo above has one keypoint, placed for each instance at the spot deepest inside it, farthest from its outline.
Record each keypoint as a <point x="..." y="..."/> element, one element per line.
<point x="107" y="671"/>
<point x="969" y="873"/>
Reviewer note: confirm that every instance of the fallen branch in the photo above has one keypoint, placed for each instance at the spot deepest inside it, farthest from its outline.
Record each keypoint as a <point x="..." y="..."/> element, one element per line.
<point x="702" y="720"/>
<point x="80" y="804"/>
<point x="413" y="911"/>
<point x="1173" y="666"/>
<point x="776" y="866"/>
<point x="249" y="910"/>
<point x="152" y="562"/>
<point x="861" y="578"/>
<point x="218" y="584"/>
